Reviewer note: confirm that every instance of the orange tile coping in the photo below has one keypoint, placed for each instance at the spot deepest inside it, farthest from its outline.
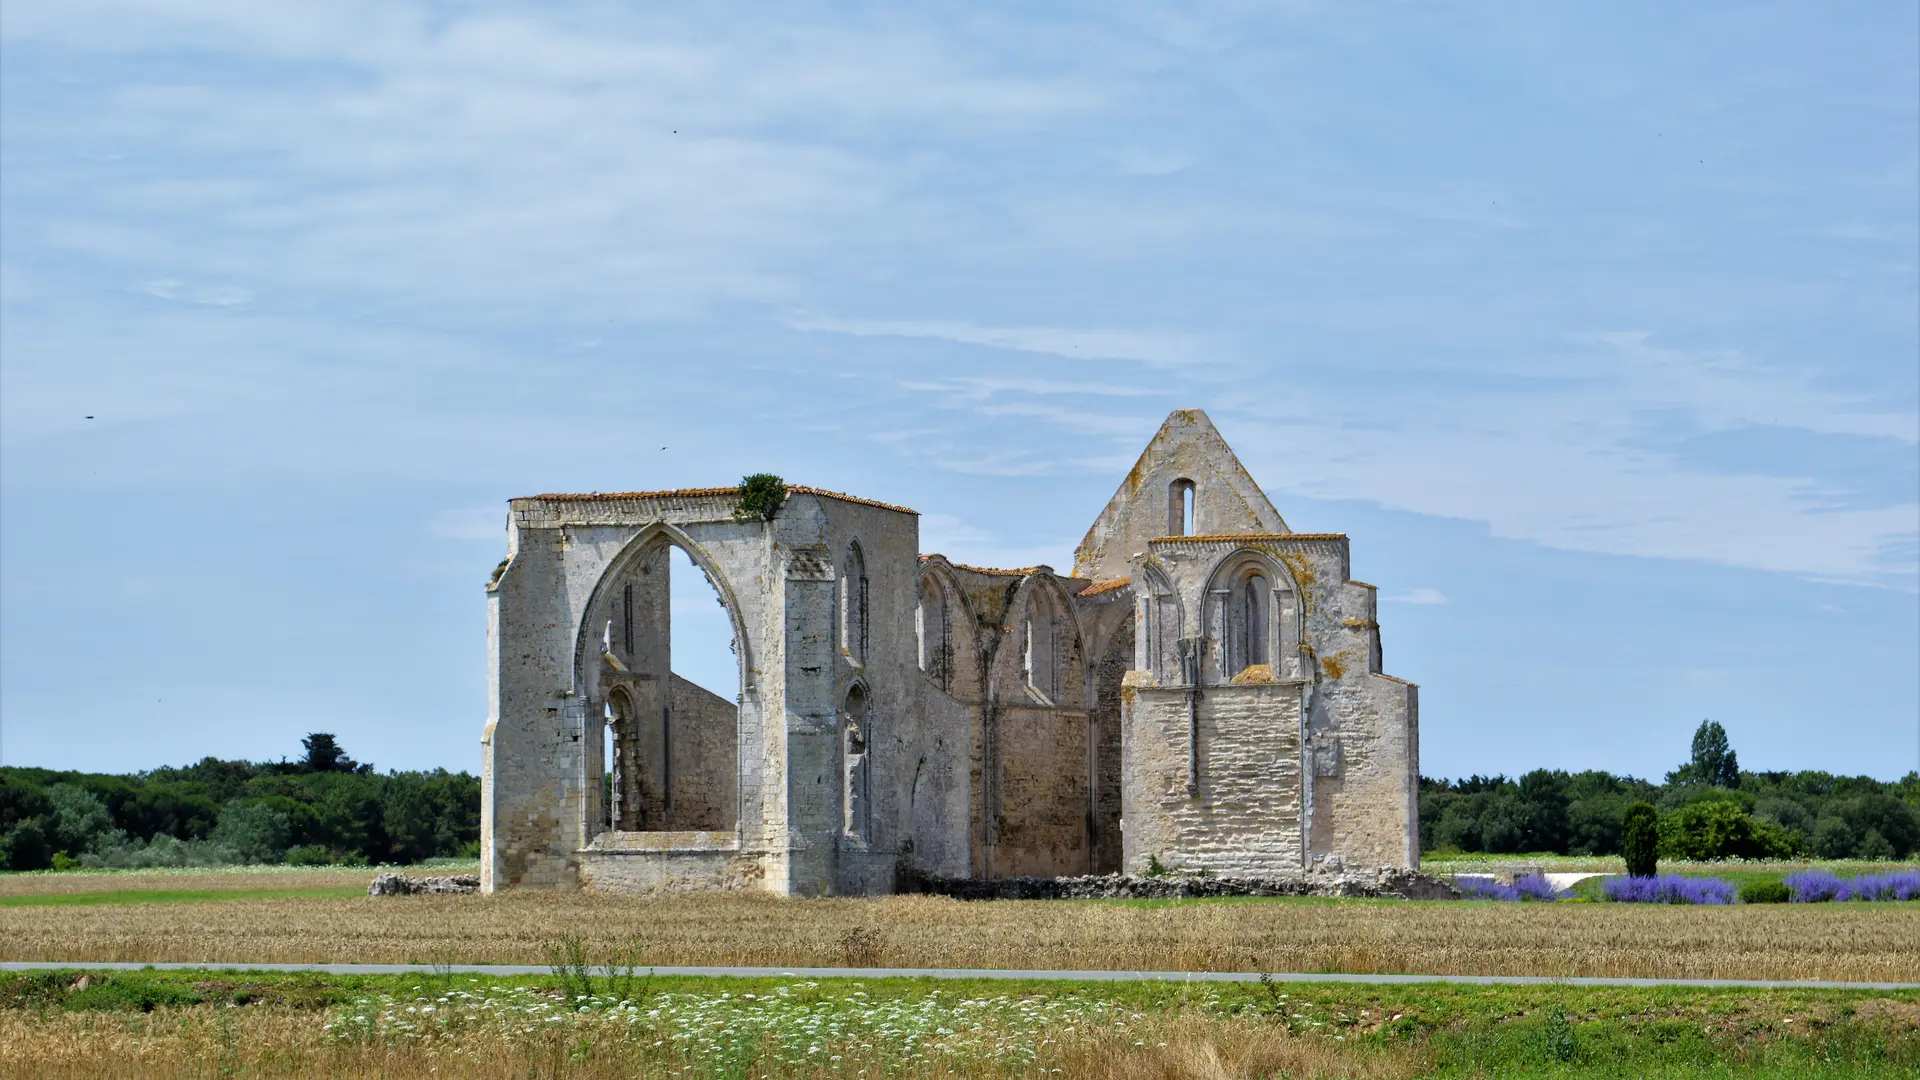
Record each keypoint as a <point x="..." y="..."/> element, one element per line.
<point x="1242" y="537"/>
<point x="1021" y="571"/>
<point x="691" y="493"/>
<point x="1099" y="587"/>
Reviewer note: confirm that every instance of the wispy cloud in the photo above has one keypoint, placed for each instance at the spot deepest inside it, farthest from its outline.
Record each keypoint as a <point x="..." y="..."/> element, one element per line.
<point x="1149" y="348"/>
<point x="1573" y="463"/>
<point x="211" y="296"/>
<point x="1421" y="595"/>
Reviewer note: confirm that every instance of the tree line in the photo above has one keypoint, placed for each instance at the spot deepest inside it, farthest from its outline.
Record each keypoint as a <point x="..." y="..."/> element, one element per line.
<point x="323" y="808"/>
<point x="327" y="808"/>
<point x="1707" y="808"/>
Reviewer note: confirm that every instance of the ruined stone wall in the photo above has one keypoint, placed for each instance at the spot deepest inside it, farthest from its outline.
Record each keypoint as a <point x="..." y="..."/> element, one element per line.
<point x="530" y="768"/>
<point x="939" y="808"/>
<point x="706" y="759"/>
<point x="833" y="849"/>
<point x="1362" y="729"/>
<point x="845" y="761"/>
<point x="644" y="862"/>
<point x="548" y="607"/>
<point x="1109" y="673"/>
<point x="1043" y="795"/>
<point x="1244" y="816"/>
<point x="889" y="671"/>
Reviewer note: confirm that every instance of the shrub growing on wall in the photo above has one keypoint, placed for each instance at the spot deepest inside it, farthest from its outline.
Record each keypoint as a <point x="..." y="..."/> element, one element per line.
<point x="1640" y="839"/>
<point x="761" y="495"/>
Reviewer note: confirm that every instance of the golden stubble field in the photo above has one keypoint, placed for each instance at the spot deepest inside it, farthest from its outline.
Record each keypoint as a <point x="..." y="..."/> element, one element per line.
<point x="1845" y="942"/>
<point x="223" y="880"/>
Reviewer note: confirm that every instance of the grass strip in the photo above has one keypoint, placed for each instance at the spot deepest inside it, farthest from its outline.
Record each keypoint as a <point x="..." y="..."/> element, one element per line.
<point x="173" y="896"/>
<point x="1444" y="1030"/>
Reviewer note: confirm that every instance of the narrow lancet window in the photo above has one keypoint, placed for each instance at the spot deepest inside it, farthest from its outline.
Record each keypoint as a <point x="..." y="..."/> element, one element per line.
<point x="1255" y="600"/>
<point x="1180" y="509"/>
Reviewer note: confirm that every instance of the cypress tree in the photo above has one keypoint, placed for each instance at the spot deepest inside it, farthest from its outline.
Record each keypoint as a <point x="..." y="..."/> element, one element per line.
<point x="1640" y="839"/>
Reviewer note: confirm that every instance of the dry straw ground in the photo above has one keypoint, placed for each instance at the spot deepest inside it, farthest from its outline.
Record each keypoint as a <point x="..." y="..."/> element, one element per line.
<point x="1852" y="942"/>
<point x="230" y="879"/>
<point x="275" y="1042"/>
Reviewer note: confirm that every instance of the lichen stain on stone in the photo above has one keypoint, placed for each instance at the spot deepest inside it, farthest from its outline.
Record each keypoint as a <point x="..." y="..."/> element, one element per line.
<point x="1255" y="675"/>
<point x="1333" y="666"/>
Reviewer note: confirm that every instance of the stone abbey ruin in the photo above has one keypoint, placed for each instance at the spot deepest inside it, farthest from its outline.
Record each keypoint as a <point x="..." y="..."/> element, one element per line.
<point x="1202" y="691"/>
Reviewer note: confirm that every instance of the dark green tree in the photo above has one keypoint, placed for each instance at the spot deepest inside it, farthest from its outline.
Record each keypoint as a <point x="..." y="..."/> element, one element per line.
<point x="28" y="845"/>
<point x="1640" y="839"/>
<point x="325" y="755"/>
<point x="1713" y="761"/>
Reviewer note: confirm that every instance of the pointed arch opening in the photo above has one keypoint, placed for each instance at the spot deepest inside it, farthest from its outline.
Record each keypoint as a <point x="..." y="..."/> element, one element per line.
<point x="856" y="742"/>
<point x="1250" y="616"/>
<point x="933" y="632"/>
<point x="854" y="618"/>
<point x="1042" y="630"/>
<point x="663" y="657"/>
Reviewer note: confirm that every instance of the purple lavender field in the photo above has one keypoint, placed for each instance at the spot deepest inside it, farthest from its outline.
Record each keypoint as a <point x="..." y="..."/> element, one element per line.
<point x="1816" y="886"/>
<point x="1668" y="889"/>
<point x="1525" y="887"/>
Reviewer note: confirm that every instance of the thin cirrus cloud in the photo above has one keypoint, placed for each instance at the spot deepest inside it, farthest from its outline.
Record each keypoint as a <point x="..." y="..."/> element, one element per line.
<point x="1100" y="344"/>
<point x="1601" y="298"/>
<point x="1564" y="460"/>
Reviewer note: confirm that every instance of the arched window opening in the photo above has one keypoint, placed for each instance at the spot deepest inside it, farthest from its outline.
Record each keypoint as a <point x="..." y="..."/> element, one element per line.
<point x="1042" y="648"/>
<point x="701" y="629"/>
<point x="1181" y="509"/>
<point x="1245" y="618"/>
<point x="853" y="605"/>
<point x="856" y="740"/>
<point x="621" y="746"/>
<point x="609" y="755"/>
<point x="669" y="680"/>
<point x="935" y="633"/>
<point x="1256" y="599"/>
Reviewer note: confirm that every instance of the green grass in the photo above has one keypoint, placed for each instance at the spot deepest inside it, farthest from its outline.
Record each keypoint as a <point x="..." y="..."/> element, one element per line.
<point x="1469" y="1030"/>
<point x="1480" y="863"/>
<point x="173" y="896"/>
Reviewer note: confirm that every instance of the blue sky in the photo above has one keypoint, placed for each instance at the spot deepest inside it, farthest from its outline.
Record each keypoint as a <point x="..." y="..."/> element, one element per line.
<point x="1596" y="326"/>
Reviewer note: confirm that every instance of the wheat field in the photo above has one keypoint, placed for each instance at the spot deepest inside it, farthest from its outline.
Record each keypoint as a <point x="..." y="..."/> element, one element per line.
<point x="1847" y="942"/>
<point x="282" y="1043"/>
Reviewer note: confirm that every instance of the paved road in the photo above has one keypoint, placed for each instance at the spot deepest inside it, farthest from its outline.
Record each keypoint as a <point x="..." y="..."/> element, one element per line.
<point x="982" y="973"/>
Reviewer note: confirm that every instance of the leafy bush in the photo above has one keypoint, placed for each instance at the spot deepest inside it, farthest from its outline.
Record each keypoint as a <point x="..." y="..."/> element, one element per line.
<point x="1721" y="830"/>
<point x="1640" y="839"/>
<point x="310" y="855"/>
<point x="1765" y="892"/>
<point x="252" y="833"/>
<point x="1667" y="889"/>
<point x="80" y="819"/>
<point x="761" y="495"/>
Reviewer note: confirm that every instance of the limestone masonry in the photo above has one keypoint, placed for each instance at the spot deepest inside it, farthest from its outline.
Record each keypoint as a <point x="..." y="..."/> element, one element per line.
<point x="1202" y="692"/>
